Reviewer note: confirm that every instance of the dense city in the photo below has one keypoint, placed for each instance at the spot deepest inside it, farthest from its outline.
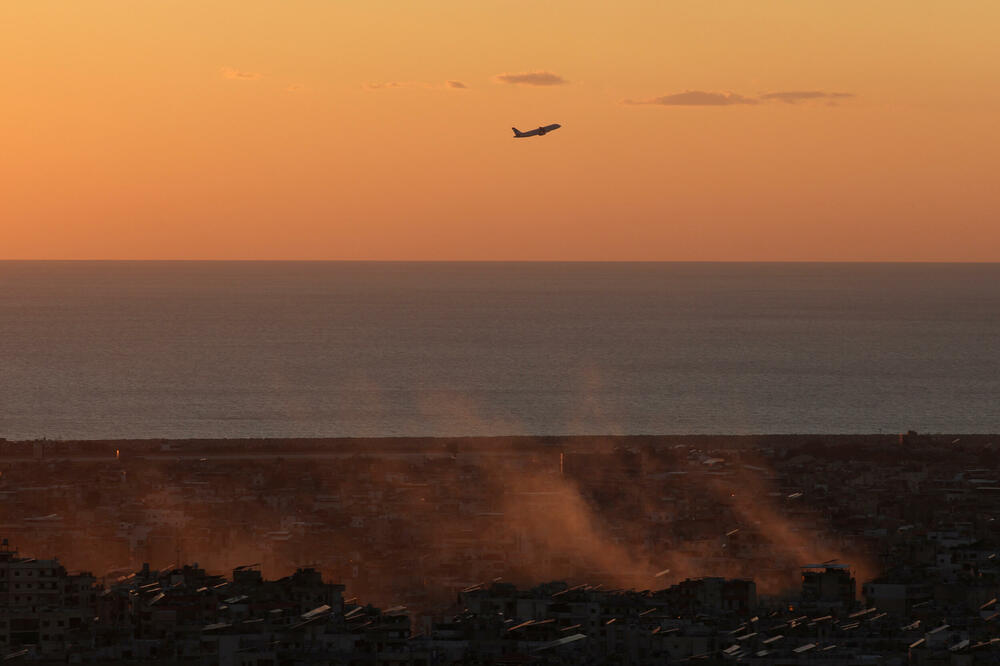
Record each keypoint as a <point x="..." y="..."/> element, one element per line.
<point x="771" y="550"/>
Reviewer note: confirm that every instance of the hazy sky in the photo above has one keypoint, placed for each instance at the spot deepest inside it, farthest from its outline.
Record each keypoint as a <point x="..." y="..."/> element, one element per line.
<point x="370" y="129"/>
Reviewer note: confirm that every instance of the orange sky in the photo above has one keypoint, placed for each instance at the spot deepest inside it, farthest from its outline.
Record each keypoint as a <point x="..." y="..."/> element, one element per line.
<point x="325" y="129"/>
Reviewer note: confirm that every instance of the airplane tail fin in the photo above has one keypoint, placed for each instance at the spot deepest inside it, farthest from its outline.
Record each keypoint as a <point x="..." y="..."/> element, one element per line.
<point x="517" y="132"/>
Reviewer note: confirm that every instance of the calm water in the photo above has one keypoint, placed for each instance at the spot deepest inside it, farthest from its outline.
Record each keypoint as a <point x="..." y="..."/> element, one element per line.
<point x="99" y="349"/>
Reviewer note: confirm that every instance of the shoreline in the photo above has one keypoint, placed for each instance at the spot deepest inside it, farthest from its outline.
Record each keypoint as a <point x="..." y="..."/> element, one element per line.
<point x="338" y="447"/>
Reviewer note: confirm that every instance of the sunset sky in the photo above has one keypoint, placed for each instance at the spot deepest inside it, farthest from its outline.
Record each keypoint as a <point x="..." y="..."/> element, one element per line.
<point x="370" y="129"/>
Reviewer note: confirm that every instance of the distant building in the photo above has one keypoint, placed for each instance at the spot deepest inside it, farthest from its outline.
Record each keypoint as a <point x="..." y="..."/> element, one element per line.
<point x="828" y="586"/>
<point x="897" y="596"/>
<point x="711" y="595"/>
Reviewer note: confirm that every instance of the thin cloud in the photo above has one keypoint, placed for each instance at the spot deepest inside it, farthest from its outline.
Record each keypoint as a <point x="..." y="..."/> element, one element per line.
<point x="388" y="85"/>
<point x="795" y="96"/>
<point x="381" y="85"/>
<point x="295" y="87"/>
<point x="532" y="79"/>
<point x="703" y="98"/>
<point x="239" y="75"/>
<point x="696" y="98"/>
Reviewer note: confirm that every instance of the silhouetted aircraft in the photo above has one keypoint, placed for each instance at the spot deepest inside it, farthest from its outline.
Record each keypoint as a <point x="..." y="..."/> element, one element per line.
<point x="541" y="131"/>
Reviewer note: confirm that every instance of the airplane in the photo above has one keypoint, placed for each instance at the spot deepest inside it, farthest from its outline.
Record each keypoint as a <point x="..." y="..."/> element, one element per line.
<point x="541" y="131"/>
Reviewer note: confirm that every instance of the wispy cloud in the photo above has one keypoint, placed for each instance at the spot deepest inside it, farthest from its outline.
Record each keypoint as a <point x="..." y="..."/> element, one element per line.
<point x="794" y="96"/>
<point x="532" y="79"/>
<point x="238" y="74"/>
<point x="696" y="98"/>
<point x="703" y="98"/>
<point x="295" y="87"/>
<point x="388" y="85"/>
<point x="383" y="85"/>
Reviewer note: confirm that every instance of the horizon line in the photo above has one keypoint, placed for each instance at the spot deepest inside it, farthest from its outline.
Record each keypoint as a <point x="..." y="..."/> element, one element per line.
<point x="519" y="261"/>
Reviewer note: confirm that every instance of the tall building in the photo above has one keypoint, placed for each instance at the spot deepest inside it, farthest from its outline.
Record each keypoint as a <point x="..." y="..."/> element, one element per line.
<point x="42" y="605"/>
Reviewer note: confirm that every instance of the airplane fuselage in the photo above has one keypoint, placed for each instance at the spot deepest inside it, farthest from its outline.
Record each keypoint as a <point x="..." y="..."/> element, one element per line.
<point x="540" y="131"/>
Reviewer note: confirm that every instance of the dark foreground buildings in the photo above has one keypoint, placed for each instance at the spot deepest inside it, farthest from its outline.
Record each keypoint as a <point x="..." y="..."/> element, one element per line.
<point x="184" y="615"/>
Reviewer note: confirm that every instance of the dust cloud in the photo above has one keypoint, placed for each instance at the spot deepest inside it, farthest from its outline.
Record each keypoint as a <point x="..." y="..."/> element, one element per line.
<point x="414" y="520"/>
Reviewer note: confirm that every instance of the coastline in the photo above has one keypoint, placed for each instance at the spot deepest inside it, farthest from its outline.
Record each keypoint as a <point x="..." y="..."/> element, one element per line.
<point x="337" y="447"/>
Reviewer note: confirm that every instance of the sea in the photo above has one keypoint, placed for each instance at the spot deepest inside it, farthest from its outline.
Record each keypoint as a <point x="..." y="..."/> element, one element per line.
<point x="96" y="350"/>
